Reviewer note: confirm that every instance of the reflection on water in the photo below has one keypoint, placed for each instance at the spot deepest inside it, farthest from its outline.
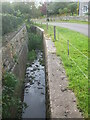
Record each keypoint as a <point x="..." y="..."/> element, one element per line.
<point x="34" y="93"/>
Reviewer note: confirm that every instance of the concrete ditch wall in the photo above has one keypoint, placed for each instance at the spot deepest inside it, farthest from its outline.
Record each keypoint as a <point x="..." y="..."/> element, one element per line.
<point x="60" y="101"/>
<point x="14" y="53"/>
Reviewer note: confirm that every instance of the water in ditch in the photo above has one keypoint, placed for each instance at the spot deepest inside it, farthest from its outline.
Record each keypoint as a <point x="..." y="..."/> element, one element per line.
<point x="34" y="92"/>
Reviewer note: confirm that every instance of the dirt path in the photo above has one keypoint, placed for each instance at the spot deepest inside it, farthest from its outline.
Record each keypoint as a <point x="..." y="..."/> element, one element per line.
<point x="62" y="100"/>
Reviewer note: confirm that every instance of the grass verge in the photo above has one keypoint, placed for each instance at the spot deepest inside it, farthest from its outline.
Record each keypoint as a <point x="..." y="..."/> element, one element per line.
<point x="76" y="64"/>
<point x="73" y="21"/>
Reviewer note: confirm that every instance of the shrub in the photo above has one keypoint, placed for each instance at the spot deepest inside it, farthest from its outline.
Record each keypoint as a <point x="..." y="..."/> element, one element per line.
<point x="32" y="55"/>
<point x="10" y="101"/>
<point x="35" y="41"/>
<point x="10" y="23"/>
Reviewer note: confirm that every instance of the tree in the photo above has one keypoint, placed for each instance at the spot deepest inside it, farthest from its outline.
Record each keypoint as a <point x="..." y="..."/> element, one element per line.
<point x="73" y="8"/>
<point x="43" y="9"/>
<point x="65" y="10"/>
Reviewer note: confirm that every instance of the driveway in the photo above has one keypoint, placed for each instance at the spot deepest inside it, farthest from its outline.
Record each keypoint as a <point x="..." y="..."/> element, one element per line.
<point x="82" y="28"/>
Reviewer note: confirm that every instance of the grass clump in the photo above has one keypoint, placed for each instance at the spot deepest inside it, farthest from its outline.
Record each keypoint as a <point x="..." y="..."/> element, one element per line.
<point x="34" y="43"/>
<point x="78" y="82"/>
<point x="32" y="55"/>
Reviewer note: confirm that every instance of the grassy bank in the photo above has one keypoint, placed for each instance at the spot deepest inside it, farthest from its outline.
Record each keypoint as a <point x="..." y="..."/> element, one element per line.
<point x="76" y="64"/>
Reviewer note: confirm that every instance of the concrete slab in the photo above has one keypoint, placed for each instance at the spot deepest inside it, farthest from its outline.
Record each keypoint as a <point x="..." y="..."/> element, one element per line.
<point x="62" y="100"/>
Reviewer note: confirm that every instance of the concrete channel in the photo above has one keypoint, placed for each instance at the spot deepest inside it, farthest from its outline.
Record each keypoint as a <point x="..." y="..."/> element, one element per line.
<point x="49" y="96"/>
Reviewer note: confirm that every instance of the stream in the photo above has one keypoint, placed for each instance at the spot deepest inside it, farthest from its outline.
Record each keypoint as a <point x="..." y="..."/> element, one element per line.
<point x="34" y="92"/>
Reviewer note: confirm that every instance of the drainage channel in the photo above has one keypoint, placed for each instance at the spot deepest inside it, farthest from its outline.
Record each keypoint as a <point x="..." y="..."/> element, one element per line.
<point x="34" y="92"/>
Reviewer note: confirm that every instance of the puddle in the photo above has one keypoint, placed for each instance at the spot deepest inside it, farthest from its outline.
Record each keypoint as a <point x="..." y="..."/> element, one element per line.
<point x="34" y="93"/>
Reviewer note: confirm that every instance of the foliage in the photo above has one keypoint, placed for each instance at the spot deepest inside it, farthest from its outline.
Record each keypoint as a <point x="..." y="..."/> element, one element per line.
<point x="77" y="81"/>
<point x="10" y="23"/>
<point x="26" y="10"/>
<point x="73" y="8"/>
<point x="43" y="9"/>
<point x="9" y="99"/>
<point x="13" y="15"/>
<point x="32" y="55"/>
<point x="35" y="41"/>
<point x="9" y="83"/>
<point x="7" y="8"/>
<point x="54" y="8"/>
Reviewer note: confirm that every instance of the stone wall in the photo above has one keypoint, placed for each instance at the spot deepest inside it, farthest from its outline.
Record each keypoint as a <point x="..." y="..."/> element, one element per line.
<point x="14" y="53"/>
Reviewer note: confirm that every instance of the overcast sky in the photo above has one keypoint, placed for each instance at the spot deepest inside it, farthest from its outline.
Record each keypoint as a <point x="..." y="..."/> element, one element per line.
<point x="43" y="0"/>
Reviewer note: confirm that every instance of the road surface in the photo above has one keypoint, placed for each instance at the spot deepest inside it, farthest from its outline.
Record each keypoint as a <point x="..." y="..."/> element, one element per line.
<point x="82" y="28"/>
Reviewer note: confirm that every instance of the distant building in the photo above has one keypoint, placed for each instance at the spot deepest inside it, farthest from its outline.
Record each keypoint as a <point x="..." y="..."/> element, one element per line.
<point x="83" y="8"/>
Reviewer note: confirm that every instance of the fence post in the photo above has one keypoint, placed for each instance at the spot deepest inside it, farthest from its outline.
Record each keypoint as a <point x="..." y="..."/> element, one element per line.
<point x="54" y="33"/>
<point x="68" y="47"/>
<point x="47" y="25"/>
<point x="58" y="36"/>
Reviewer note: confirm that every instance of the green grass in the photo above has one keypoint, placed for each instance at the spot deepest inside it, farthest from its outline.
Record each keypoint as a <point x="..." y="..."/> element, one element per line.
<point x="32" y="55"/>
<point x="73" y="21"/>
<point x="77" y="81"/>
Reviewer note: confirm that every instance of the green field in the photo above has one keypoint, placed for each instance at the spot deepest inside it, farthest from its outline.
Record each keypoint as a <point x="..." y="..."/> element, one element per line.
<point x="76" y="64"/>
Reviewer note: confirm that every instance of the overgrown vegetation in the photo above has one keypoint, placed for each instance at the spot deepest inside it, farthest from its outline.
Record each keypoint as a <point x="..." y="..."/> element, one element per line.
<point x="13" y="15"/>
<point x="10" y="23"/>
<point x="32" y="55"/>
<point x="8" y="98"/>
<point x="62" y="8"/>
<point x="77" y="80"/>
<point x="11" y="102"/>
<point x="34" y="42"/>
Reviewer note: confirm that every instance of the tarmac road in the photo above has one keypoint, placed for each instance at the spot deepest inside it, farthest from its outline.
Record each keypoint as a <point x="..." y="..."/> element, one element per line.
<point x="82" y="28"/>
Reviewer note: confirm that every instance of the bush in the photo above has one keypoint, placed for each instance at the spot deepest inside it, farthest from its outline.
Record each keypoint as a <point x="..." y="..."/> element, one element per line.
<point x="10" y="23"/>
<point x="9" y="99"/>
<point x="32" y="55"/>
<point x="35" y="42"/>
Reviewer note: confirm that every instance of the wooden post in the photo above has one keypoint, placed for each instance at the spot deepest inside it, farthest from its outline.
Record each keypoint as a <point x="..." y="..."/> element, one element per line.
<point x="68" y="46"/>
<point x="58" y="36"/>
<point x="47" y="25"/>
<point x="54" y="33"/>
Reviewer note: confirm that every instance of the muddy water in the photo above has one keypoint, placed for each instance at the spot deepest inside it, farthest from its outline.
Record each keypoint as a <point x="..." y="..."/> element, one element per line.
<point x="34" y="93"/>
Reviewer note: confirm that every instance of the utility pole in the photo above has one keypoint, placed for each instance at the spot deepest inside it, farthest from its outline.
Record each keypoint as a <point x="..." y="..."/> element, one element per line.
<point x="46" y="10"/>
<point x="78" y="8"/>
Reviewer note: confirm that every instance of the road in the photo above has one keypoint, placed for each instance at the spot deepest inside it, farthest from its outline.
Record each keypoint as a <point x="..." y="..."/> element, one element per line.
<point x="82" y="28"/>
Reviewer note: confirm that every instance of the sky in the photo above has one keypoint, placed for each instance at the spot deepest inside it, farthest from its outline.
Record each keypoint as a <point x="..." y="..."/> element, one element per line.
<point x="43" y="0"/>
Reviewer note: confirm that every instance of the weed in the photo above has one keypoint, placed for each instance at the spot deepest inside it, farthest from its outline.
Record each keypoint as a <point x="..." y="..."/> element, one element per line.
<point x="9" y="99"/>
<point x="32" y="55"/>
